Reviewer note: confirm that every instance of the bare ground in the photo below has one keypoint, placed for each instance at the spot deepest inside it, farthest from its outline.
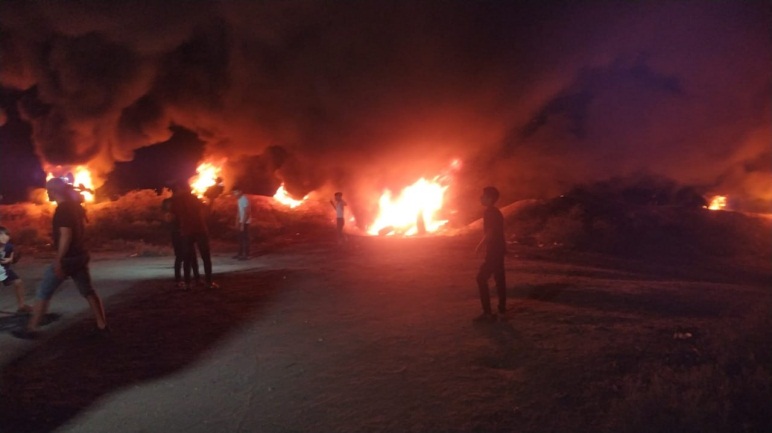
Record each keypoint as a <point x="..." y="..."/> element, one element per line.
<point x="377" y="337"/>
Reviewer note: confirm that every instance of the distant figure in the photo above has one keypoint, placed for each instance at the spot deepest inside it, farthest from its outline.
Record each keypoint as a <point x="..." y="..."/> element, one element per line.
<point x="72" y="258"/>
<point x="339" y="204"/>
<point x="7" y="275"/>
<point x="243" y="220"/>
<point x="495" y="249"/>
<point x="189" y="212"/>
<point x="178" y="246"/>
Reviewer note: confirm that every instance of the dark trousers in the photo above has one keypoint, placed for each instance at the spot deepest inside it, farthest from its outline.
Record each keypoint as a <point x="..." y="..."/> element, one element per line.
<point x="244" y="241"/>
<point x="189" y="253"/>
<point x="179" y="257"/>
<point x="339" y="223"/>
<point x="492" y="266"/>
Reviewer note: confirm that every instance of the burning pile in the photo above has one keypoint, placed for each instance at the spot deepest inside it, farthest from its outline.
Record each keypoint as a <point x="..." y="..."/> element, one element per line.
<point x="283" y="197"/>
<point x="416" y="209"/>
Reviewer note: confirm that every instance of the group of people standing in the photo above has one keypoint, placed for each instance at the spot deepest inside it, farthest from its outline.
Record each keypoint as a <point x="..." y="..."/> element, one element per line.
<point x="186" y="215"/>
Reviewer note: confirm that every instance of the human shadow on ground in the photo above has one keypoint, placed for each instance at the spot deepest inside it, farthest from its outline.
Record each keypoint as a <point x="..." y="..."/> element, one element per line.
<point x="156" y="331"/>
<point x="10" y="321"/>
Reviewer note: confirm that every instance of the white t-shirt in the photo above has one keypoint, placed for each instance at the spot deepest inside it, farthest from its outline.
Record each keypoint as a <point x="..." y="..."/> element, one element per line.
<point x="339" y="208"/>
<point x="245" y="216"/>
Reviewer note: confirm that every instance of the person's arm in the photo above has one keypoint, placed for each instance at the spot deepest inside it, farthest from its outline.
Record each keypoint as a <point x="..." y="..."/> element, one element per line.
<point x="332" y="203"/>
<point x="248" y="211"/>
<point x="7" y="259"/>
<point x="481" y="245"/>
<point x="487" y="233"/>
<point x="65" y="239"/>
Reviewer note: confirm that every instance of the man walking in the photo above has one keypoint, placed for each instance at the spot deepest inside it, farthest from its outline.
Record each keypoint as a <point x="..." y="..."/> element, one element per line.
<point x="71" y="260"/>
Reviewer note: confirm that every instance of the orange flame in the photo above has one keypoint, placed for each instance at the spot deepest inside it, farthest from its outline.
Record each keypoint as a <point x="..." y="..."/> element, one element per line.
<point x="416" y="208"/>
<point x="283" y="197"/>
<point x="717" y="203"/>
<point x="206" y="176"/>
<point x="79" y="177"/>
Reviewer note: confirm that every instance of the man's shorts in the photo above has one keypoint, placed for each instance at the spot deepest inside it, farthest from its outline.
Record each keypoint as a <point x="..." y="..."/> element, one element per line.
<point x="74" y="267"/>
<point x="10" y="277"/>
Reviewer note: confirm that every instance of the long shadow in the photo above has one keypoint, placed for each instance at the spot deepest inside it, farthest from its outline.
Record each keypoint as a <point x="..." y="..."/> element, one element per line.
<point x="156" y="332"/>
<point x="10" y="321"/>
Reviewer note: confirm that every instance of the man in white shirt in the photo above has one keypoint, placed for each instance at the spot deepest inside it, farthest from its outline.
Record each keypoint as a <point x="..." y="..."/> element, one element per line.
<point x="339" y="204"/>
<point x="243" y="219"/>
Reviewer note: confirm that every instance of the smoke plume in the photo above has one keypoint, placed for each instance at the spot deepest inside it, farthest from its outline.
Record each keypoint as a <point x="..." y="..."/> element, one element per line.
<point x="365" y="95"/>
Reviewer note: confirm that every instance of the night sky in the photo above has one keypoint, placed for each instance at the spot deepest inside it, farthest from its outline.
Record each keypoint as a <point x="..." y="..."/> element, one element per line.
<point x="534" y="97"/>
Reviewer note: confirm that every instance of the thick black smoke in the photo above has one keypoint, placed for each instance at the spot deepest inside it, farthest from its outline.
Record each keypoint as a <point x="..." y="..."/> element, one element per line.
<point x="364" y="95"/>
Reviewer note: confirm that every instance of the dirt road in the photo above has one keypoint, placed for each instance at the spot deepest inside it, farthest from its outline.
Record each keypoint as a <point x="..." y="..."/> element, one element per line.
<point x="377" y="337"/>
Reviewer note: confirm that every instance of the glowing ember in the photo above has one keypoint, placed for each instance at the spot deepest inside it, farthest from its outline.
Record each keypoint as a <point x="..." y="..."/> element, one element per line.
<point x="206" y="176"/>
<point x="717" y="203"/>
<point x="283" y="197"/>
<point x="416" y="209"/>
<point x="80" y="178"/>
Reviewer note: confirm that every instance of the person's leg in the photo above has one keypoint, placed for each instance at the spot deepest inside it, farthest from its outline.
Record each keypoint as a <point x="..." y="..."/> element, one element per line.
<point x="499" y="275"/>
<point x="179" y="255"/>
<point x="339" y="223"/>
<point x="46" y="289"/>
<point x="194" y="265"/>
<point x="187" y="253"/>
<point x="82" y="278"/>
<point x="39" y="309"/>
<point x="203" y="247"/>
<point x="18" y="287"/>
<point x="482" y="284"/>
<point x="244" y="242"/>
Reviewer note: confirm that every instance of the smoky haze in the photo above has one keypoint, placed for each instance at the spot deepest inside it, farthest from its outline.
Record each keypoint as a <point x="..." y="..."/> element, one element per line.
<point x="360" y="96"/>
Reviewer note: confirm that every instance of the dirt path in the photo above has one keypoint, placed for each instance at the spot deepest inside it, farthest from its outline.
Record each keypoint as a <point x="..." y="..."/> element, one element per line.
<point x="378" y="338"/>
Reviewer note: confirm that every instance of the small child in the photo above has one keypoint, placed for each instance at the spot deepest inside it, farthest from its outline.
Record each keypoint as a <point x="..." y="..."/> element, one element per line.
<point x="495" y="250"/>
<point x="7" y="275"/>
<point x="339" y="205"/>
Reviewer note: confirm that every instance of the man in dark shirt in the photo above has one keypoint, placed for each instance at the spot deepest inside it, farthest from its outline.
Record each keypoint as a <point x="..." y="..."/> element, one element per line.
<point x="72" y="258"/>
<point x="495" y="250"/>
<point x="178" y="245"/>
<point x="189" y="212"/>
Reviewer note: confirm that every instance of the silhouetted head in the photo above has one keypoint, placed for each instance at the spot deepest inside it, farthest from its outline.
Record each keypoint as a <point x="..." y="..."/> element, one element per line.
<point x="58" y="189"/>
<point x="490" y="196"/>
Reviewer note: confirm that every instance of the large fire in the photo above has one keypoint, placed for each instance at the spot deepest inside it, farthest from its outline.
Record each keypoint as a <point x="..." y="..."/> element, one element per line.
<point x="207" y="175"/>
<point x="717" y="203"/>
<point x="79" y="177"/>
<point x="283" y="197"/>
<point x="416" y="209"/>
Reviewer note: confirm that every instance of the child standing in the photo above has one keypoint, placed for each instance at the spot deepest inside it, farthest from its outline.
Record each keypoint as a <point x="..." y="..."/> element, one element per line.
<point x="495" y="250"/>
<point x="339" y="204"/>
<point x="7" y="275"/>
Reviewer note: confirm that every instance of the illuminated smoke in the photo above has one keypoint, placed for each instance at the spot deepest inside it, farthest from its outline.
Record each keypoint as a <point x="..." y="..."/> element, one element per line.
<point x="364" y="96"/>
